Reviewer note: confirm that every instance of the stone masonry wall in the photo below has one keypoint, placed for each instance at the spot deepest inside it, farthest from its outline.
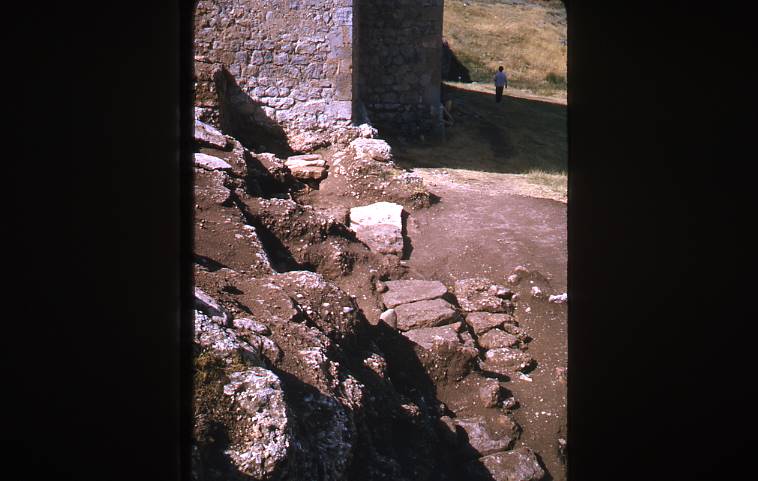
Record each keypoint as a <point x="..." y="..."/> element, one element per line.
<point x="282" y="64"/>
<point x="399" y="64"/>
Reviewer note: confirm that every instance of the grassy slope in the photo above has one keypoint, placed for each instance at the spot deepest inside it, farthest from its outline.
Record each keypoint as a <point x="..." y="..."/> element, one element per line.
<point x="526" y="37"/>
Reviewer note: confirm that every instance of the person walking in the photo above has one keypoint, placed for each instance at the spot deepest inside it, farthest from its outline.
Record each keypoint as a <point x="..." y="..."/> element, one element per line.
<point x="501" y="82"/>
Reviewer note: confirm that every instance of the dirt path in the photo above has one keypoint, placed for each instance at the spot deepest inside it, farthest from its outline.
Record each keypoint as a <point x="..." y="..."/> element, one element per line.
<point x="484" y="228"/>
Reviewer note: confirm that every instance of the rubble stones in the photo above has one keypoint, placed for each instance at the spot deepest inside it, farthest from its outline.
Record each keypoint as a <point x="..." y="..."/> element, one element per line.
<point x="482" y="322"/>
<point x="481" y="294"/>
<point x="435" y="312"/>
<point x="405" y="291"/>
<point x="209" y="162"/>
<point x="505" y="361"/>
<point x="518" y="465"/>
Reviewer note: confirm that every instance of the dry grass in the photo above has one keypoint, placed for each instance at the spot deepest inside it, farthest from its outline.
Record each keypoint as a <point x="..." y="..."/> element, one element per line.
<point x="556" y="182"/>
<point x="526" y="37"/>
<point x="521" y="142"/>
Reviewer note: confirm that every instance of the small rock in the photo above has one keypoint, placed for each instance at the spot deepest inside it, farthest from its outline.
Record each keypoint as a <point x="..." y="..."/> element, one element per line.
<point x="561" y="374"/>
<point x="389" y="317"/>
<point x="537" y="292"/>
<point x="518" y="465"/>
<point x="558" y="299"/>
<point x="372" y="149"/>
<point x="562" y="450"/>
<point x="251" y="325"/>
<point x="490" y="393"/>
<point x="509" y="403"/>
<point x="380" y="286"/>
<point x="208" y="306"/>
<point x="448" y="430"/>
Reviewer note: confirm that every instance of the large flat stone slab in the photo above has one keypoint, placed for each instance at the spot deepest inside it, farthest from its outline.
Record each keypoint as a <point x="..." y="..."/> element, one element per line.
<point x="482" y="322"/>
<point x="209" y="162"/>
<point x="505" y="361"/>
<point x="308" y="172"/>
<point x="379" y="226"/>
<point x="427" y="337"/>
<point x="377" y="213"/>
<point x="308" y="160"/>
<point x="209" y="136"/>
<point x="403" y="292"/>
<point x="496" y="338"/>
<point x="435" y="312"/>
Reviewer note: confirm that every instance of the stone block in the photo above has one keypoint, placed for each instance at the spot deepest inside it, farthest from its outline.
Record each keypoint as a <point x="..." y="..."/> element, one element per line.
<point x="405" y="291"/>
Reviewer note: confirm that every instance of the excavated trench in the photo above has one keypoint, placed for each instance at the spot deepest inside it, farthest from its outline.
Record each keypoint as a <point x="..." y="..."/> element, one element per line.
<point x="413" y="394"/>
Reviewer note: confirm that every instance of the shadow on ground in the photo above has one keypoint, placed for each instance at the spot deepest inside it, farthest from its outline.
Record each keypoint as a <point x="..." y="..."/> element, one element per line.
<point x="514" y="136"/>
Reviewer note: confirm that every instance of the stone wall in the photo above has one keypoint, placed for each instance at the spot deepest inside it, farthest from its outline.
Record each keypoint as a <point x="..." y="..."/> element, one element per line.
<point x="399" y="64"/>
<point x="282" y="64"/>
<point x="285" y="68"/>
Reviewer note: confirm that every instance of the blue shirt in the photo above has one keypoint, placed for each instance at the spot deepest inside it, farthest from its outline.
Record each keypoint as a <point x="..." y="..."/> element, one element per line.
<point x="500" y="79"/>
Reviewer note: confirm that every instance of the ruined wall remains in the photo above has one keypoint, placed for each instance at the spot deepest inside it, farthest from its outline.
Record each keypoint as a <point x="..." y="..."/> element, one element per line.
<point x="289" y="68"/>
<point x="399" y="64"/>
<point x="285" y="64"/>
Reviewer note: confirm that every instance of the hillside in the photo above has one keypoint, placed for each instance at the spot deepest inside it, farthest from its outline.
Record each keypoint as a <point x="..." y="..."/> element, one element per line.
<point x="527" y="37"/>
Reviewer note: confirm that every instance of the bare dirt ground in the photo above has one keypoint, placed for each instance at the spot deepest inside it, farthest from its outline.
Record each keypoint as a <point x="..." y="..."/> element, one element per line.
<point x="476" y="231"/>
<point x="489" y="220"/>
